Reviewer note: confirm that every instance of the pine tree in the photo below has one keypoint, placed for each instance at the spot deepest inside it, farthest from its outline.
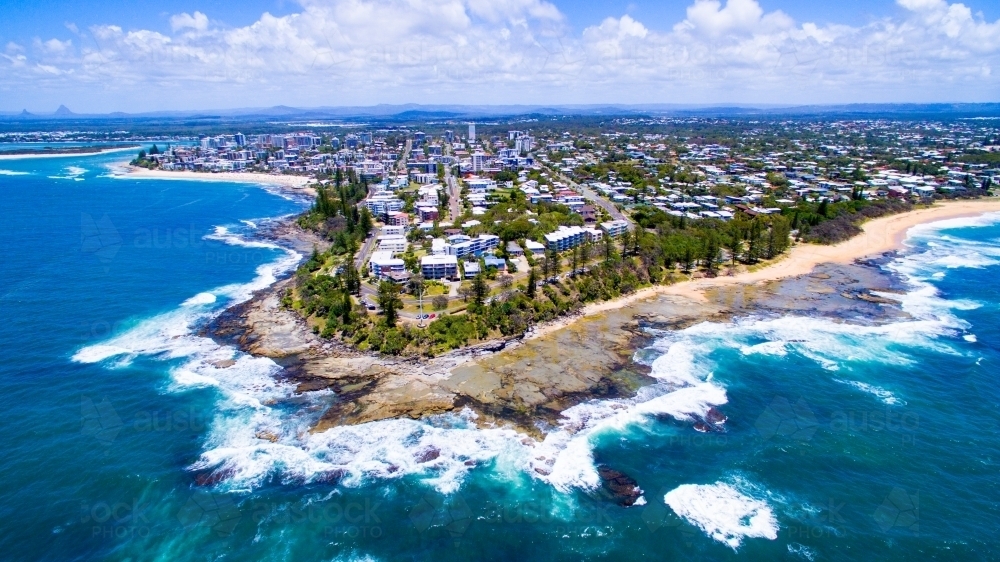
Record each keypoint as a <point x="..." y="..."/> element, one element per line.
<point x="480" y="289"/>
<point x="346" y="309"/>
<point x="823" y="208"/>
<point x="711" y="252"/>
<point x="532" y="281"/>
<point x="388" y="299"/>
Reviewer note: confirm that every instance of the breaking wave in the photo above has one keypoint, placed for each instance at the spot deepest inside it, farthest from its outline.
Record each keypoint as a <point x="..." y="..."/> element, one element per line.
<point x="723" y="512"/>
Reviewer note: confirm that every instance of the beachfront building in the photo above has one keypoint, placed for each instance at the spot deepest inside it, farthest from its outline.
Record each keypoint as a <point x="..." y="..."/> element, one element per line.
<point x="461" y="245"/>
<point x="383" y="265"/>
<point x="394" y="244"/>
<point x="439" y="267"/>
<point x="535" y="248"/>
<point x="615" y="228"/>
<point x="569" y="237"/>
<point x="382" y="204"/>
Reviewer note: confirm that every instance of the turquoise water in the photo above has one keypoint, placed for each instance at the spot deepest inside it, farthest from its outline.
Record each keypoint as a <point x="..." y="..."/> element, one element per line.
<point x="130" y="437"/>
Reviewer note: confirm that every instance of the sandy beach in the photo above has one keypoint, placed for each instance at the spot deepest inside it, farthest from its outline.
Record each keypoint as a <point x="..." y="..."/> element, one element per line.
<point x="879" y="235"/>
<point x="66" y="155"/>
<point x="298" y="183"/>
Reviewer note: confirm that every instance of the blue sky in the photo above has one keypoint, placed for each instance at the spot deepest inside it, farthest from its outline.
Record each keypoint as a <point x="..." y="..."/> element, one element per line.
<point x="129" y="55"/>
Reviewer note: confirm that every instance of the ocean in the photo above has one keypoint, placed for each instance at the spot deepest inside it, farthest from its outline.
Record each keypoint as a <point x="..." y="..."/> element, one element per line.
<point x="132" y="436"/>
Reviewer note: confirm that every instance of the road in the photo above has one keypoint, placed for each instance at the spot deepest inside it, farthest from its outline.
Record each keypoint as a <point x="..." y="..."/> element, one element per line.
<point x="401" y="164"/>
<point x="454" y="197"/>
<point x="366" y="249"/>
<point x="454" y="190"/>
<point x="598" y="199"/>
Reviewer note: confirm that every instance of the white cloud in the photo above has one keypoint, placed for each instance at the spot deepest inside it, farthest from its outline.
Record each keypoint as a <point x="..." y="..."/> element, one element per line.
<point x="197" y="22"/>
<point x="53" y="46"/>
<point x="334" y="52"/>
<point x="956" y="22"/>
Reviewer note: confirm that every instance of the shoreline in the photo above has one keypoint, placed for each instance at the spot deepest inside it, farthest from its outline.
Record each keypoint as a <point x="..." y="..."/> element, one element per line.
<point x="297" y="183"/>
<point x="502" y="380"/>
<point x="65" y="154"/>
<point x="878" y="236"/>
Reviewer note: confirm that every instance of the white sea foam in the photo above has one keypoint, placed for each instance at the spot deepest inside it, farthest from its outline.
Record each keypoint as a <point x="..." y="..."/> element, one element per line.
<point x="261" y="428"/>
<point x="933" y="229"/>
<point x="882" y="394"/>
<point x="200" y="299"/>
<point x="723" y="512"/>
<point x="13" y="173"/>
<point x="802" y="550"/>
<point x="72" y="173"/>
<point x="970" y="338"/>
<point x="261" y="431"/>
<point x="565" y="458"/>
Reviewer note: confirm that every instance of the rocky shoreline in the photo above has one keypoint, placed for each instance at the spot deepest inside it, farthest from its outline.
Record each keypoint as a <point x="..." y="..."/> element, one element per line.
<point x="524" y="383"/>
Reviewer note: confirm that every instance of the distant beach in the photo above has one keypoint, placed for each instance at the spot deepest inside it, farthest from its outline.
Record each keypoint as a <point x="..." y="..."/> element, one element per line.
<point x="879" y="235"/>
<point x="298" y="183"/>
<point x="78" y="154"/>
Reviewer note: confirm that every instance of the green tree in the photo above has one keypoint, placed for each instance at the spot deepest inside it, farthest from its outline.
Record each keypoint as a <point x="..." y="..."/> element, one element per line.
<point x="480" y="289"/>
<point x="365" y="221"/>
<point x="556" y="265"/>
<point x="352" y="280"/>
<point x="711" y="252"/>
<point x="532" y="282"/>
<point x="389" y="301"/>
<point x="346" y="309"/>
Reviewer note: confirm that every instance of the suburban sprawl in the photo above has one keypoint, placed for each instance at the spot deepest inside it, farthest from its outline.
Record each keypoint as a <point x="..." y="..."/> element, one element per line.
<point x="444" y="234"/>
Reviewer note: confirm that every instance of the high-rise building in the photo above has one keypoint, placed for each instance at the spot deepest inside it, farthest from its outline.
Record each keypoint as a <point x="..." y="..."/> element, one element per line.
<point x="472" y="132"/>
<point x="449" y="136"/>
<point x="478" y="161"/>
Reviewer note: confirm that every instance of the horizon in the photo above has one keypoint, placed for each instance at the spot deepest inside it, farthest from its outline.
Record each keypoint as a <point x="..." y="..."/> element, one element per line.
<point x="191" y="56"/>
<point x="473" y="111"/>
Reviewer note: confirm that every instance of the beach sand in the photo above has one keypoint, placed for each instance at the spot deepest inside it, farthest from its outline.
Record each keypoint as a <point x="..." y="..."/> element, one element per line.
<point x="66" y="155"/>
<point x="879" y="236"/>
<point x="298" y="183"/>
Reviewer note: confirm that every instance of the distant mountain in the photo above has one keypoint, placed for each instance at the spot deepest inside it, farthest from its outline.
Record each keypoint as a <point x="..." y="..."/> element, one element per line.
<point x="419" y="112"/>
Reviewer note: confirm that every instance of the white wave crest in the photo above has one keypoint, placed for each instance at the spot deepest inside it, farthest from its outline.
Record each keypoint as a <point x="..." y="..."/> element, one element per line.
<point x="887" y="397"/>
<point x="13" y="173"/>
<point x="200" y="299"/>
<point x="723" y="512"/>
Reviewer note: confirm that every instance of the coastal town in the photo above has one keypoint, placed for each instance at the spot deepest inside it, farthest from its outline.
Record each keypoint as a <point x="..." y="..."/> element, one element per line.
<point x="432" y="225"/>
<point x="541" y="280"/>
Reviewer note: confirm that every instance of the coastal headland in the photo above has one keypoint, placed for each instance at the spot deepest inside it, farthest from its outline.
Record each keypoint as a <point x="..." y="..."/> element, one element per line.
<point x="527" y="382"/>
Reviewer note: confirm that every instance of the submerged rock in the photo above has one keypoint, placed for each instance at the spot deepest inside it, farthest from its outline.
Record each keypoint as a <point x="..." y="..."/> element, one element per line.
<point x="624" y="490"/>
